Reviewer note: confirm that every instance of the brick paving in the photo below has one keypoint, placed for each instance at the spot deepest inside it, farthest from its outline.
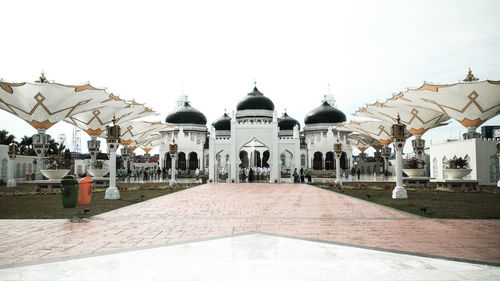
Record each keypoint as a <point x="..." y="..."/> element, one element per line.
<point x="214" y="210"/>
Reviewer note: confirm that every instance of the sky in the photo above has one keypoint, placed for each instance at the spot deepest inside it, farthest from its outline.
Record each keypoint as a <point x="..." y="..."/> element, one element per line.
<point x="213" y="51"/>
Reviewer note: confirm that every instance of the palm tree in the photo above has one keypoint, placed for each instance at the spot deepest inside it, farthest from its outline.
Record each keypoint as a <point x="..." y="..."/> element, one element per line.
<point x="26" y="146"/>
<point x="6" y="138"/>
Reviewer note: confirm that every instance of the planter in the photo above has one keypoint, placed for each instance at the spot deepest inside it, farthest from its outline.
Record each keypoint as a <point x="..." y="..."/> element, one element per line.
<point x="98" y="173"/>
<point x="415" y="172"/>
<point x="55" y="174"/>
<point x="456" y="174"/>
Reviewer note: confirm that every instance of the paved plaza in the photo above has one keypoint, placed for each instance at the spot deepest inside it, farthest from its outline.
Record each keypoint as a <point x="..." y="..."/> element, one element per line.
<point x="286" y="211"/>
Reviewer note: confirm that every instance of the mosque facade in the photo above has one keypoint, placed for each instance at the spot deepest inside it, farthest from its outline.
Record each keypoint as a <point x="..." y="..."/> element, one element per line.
<point x="254" y="138"/>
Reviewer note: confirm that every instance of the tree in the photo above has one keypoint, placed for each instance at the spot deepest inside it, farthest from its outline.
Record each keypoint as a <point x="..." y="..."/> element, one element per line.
<point x="26" y="146"/>
<point x="6" y="138"/>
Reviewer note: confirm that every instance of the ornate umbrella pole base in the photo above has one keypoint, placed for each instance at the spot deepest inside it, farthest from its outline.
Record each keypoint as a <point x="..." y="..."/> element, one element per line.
<point x="399" y="192"/>
<point x="112" y="193"/>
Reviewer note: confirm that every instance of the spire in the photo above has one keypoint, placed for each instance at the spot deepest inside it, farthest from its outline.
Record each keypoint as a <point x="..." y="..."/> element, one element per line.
<point x="42" y="78"/>
<point x="470" y="77"/>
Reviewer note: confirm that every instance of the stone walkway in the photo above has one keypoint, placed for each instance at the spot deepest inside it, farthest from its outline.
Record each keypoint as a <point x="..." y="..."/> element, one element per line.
<point x="215" y="210"/>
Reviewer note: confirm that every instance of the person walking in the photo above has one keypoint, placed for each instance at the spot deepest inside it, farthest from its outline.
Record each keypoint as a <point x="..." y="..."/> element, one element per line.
<point x="358" y="172"/>
<point x="309" y="175"/>
<point x="295" y="176"/>
<point x="302" y="175"/>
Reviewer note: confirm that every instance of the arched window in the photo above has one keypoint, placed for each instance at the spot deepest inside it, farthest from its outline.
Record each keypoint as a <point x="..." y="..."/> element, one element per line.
<point x="444" y="163"/>
<point x="265" y="158"/>
<point x="3" y="171"/>
<point x="18" y="170"/>
<point x="434" y="167"/>
<point x="244" y="159"/>
<point x="25" y="169"/>
<point x="302" y="160"/>
<point x="494" y="166"/>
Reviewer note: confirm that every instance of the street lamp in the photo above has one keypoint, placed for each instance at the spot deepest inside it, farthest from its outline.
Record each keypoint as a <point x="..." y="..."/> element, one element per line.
<point x="498" y="154"/>
<point x="41" y="146"/>
<point x="93" y="145"/>
<point x="398" y="133"/>
<point x="173" y="153"/>
<point x="386" y="153"/>
<point x="12" y="155"/>
<point x="113" y="141"/>
<point x="337" y="148"/>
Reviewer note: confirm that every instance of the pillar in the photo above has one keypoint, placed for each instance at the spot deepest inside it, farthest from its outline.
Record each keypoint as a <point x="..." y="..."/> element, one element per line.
<point x="337" y="168"/>
<point x="11" y="182"/>
<point x="399" y="191"/>
<point x="112" y="192"/>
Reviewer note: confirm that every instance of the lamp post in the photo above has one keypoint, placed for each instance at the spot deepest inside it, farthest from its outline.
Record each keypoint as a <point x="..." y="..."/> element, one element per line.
<point x="41" y="145"/>
<point x="398" y="133"/>
<point x="12" y="155"/>
<point x="173" y="153"/>
<point x="113" y="141"/>
<point x="337" y="148"/>
<point x="386" y="153"/>
<point x="126" y="153"/>
<point x="498" y="154"/>
<point x="94" y="146"/>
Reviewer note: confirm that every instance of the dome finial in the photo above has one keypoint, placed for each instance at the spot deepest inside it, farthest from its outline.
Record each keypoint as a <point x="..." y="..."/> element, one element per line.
<point x="470" y="77"/>
<point x="42" y="78"/>
<point x="255" y="84"/>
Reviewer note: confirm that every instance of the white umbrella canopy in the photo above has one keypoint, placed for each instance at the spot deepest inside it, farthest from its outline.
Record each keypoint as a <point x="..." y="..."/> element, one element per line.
<point x="151" y="143"/>
<point x="470" y="103"/>
<point x="42" y="104"/>
<point x="363" y="142"/>
<point x="94" y="122"/>
<point x="417" y="119"/>
<point x="379" y="130"/>
<point x="139" y="131"/>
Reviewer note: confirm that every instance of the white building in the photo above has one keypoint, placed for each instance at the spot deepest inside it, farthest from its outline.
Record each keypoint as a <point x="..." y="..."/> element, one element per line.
<point x="479" y="153"/>
<point x="254" y="137"/>
<point x="22" y="164"/>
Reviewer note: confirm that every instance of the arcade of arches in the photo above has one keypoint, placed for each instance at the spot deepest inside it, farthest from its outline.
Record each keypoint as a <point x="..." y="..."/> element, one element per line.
<point x="327" y="162"/>
<point x="183" y="162"/>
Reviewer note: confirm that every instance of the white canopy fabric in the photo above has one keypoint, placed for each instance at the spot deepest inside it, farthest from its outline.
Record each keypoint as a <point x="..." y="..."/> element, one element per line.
<point x="134" y="133"/>
<point x="417" y="119"/>
<point x="44" y="104"/>
<point x="363" y="142"/>
<point x="94" y="122"/>
<point x="470" y="103"/>
<point x="379" y="130"/>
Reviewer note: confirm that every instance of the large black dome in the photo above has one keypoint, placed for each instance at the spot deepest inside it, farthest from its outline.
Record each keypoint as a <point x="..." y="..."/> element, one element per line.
<point x="255" y="100"/>
<point x="287" y="123"/>
<point x="186" y="114"/>
<point x="222" y="123"/>
<point x="325" y="113"/>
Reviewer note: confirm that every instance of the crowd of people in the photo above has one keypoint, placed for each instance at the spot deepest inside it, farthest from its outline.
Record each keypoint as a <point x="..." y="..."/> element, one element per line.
<point x="254" y="174"/>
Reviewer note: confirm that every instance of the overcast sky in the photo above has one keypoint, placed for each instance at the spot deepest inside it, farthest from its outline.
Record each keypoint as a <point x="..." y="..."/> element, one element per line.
<point x="151" y="50"/>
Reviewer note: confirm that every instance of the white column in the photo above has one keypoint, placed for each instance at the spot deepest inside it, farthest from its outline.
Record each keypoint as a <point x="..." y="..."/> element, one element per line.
<point x="172" y="176"/>
<point x="112" y="192"/>
<point x="337" y="168"/>
<point x="399" y="191"/>
<point x="11" y="174"/>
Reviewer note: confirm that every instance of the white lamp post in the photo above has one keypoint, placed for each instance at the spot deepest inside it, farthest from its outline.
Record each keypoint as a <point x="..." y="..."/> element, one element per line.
<point x="173" y="153"/>
<point x="12" y="155"/>
<point x="337" y="148"/>
<point x="386" y="153"/>
<point x="113" y="141"/>
<point x="398" y="133"/>
<point x="41" y="145"/>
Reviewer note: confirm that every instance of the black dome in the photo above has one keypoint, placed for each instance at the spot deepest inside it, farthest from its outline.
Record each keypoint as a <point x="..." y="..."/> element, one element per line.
<point x="325" y="113"/>
<point x="186" y="114"/>
<point x="287" y="123"/>
<point x="255" y="100"/>
<point x="222" y="123"/>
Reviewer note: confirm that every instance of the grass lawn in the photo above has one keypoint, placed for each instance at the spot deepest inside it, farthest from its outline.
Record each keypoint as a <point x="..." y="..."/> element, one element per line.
<point x="437" y="204"/>
<point x="23" y="203"/>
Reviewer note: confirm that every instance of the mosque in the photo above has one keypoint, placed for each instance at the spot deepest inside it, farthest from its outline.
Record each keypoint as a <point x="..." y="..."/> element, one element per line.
<point x="254" y="137"/>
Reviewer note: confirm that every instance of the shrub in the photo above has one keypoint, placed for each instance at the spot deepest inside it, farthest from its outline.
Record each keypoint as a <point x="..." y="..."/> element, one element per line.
<point x="456" y="163"/>
<point x="54" y="162"/>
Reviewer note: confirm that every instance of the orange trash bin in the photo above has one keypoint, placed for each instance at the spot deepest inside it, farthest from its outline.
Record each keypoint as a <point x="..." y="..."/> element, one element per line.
<point x="85" y="191"/>
<point x="27" y="175"/>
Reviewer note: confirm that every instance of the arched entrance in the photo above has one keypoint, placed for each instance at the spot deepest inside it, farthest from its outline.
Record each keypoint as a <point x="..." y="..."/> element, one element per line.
<point x="318" y="161"/>
<point x="329" y="161"/>
<point x="254" y="167"/>
<point x="193" y="161"/>
<point x="181" y="161"/>
<point x="167" y="161"/>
